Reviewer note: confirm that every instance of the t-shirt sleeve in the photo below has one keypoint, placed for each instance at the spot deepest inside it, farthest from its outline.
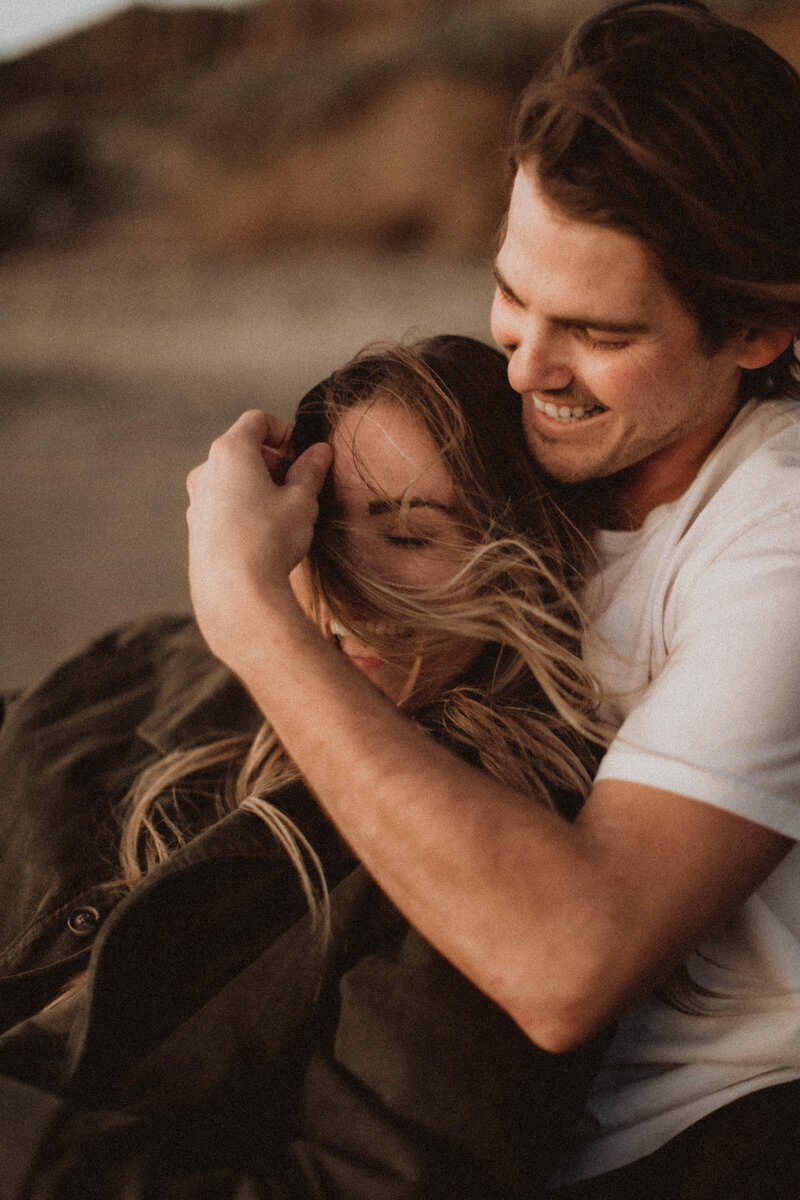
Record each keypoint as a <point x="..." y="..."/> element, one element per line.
<point x="720" y="722"/>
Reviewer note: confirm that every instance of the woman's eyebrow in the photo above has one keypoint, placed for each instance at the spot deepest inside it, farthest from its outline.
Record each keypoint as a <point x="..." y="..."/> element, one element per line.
<point x="376" y="508"/>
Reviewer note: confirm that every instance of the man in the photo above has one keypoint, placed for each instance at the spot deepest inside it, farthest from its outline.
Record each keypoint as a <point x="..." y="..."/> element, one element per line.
<point x="648" y="285"/>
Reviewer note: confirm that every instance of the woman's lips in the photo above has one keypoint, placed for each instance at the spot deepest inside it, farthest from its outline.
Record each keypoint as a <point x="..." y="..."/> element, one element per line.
<point x="365" y="661"/>
<point x="362" y="657"/>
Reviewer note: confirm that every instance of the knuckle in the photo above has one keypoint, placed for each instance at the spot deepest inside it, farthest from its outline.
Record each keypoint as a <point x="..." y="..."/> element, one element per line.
<point x="221" y="449"/>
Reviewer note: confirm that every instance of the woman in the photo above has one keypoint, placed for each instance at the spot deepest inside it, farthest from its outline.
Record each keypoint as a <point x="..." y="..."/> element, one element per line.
<point x="254" y="1018"/>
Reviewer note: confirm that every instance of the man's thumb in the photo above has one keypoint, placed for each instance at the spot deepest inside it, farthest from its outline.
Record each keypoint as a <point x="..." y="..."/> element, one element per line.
<point x="310" y="469"/>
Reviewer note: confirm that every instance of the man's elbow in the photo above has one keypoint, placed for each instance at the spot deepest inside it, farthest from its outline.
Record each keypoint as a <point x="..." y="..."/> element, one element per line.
<point x="558" y="1032"/>
<point x="579" y="1000"/>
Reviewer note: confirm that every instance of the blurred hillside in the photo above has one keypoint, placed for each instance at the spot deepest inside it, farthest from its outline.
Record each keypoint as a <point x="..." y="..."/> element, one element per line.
<point x="221" y="129"/>
<point x="237" y="128"/>
<point x="206" y="210"/>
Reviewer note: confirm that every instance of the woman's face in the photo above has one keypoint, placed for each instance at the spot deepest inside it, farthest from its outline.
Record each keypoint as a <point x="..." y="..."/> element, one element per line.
<point x="398" y="504"/>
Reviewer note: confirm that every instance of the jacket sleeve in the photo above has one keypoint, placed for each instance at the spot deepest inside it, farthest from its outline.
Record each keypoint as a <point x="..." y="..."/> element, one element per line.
<point x="419" y="1089"/>
<point x="53" y="1152"/>
<point x="430" y="1090"/>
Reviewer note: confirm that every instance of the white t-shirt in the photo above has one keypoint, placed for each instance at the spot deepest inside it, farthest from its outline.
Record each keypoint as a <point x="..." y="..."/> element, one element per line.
<point x="696" y="642"/>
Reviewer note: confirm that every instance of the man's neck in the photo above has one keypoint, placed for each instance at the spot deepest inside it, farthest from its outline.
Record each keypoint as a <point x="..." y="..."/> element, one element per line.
<point x="626" y="499"/>
<point x="630" y="496"/>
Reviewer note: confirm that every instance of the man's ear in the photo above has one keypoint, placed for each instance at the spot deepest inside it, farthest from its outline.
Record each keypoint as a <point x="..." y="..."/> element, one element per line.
<point x="759" y="347"/>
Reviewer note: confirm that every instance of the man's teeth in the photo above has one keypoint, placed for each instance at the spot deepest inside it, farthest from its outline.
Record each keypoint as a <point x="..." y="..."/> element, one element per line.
<point x="336" y="629"/>
<point x="563" y="412"/>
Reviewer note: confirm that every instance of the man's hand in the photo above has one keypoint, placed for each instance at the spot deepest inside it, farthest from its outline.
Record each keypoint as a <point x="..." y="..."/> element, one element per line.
<point x="247" y="529"/>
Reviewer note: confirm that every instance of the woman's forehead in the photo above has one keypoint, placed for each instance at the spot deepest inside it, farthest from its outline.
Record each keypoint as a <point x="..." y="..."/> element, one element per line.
<point x="384" y="448"/>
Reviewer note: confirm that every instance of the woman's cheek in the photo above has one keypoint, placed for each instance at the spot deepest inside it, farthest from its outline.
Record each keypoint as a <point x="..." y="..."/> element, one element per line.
<point x="300" y="583"/>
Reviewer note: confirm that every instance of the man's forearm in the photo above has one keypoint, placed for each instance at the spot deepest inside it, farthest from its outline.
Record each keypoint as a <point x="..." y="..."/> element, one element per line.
<point x="562" y="924"/>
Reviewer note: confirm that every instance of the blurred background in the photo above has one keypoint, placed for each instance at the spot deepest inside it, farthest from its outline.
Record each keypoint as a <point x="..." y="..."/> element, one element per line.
<point x="207" y="208"/>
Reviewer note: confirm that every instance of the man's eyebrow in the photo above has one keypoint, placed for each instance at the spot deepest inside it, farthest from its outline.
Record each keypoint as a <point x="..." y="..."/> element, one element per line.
<point x="377" y="508"/>
<point x="578" y="321"/>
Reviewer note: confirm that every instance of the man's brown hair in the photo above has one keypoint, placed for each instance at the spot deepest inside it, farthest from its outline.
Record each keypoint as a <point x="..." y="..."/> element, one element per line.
<point x="666" y="122"/>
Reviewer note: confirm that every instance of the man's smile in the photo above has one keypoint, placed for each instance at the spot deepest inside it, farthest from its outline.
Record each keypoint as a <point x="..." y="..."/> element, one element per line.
<point x="567" y="414"/>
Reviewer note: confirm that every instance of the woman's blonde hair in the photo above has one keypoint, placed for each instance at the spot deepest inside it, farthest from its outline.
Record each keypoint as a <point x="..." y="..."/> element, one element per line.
<point x="522" y="711"/>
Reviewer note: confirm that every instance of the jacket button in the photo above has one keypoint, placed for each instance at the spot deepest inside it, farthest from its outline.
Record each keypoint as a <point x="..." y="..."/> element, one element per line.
<point x="84" y="921"/>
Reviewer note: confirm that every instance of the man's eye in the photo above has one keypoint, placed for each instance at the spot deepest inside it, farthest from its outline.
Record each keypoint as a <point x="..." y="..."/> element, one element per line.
<point x="395" y="539"/>
<point x="599" y="343"/>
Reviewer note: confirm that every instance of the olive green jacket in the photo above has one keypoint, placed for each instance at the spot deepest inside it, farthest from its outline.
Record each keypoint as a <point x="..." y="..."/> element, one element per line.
<point x="217" y="1050"/>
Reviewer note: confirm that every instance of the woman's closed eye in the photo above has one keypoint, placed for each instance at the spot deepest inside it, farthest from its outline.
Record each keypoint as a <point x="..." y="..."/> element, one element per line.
<point x="409" y="541"/>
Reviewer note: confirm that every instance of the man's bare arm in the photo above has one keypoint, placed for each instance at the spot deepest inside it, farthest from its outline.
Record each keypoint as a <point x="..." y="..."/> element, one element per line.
<point x="562" y="924"/>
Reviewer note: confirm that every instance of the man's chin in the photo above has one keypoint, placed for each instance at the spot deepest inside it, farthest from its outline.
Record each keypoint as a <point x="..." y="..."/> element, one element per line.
<point x="566" y="470"/>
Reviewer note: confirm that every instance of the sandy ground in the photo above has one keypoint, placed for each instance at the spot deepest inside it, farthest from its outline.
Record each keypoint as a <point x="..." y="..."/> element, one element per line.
<point x="116" y="371"/>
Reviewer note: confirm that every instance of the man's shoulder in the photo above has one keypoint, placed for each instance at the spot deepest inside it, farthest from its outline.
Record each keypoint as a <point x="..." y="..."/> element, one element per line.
<point x="753" y="475"/>
<point x="744" y="500"/>
<point x="765" y="435"/>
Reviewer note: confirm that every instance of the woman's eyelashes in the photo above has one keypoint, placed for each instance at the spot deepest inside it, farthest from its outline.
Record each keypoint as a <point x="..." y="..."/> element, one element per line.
<point x="422" y="531"/>
<point x="408" y="541"/>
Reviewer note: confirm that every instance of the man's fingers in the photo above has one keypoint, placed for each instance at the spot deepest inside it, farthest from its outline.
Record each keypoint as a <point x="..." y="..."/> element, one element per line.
<point x="192" y="478"/>
<point x="278" y="432"/>
<point x="268" y="433"/>
<point x="261" y="427"/>
<point x="310" y="469"/>
<point x="254" y="432"/>
<point x="267" y="436"/>
<point x="277" y="461"/>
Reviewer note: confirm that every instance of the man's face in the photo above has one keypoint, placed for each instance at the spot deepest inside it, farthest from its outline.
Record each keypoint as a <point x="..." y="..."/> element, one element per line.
<point x="607" y="359"/>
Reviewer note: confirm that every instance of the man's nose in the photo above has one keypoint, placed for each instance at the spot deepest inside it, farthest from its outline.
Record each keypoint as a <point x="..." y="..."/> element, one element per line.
<point x="538" y="363"/>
